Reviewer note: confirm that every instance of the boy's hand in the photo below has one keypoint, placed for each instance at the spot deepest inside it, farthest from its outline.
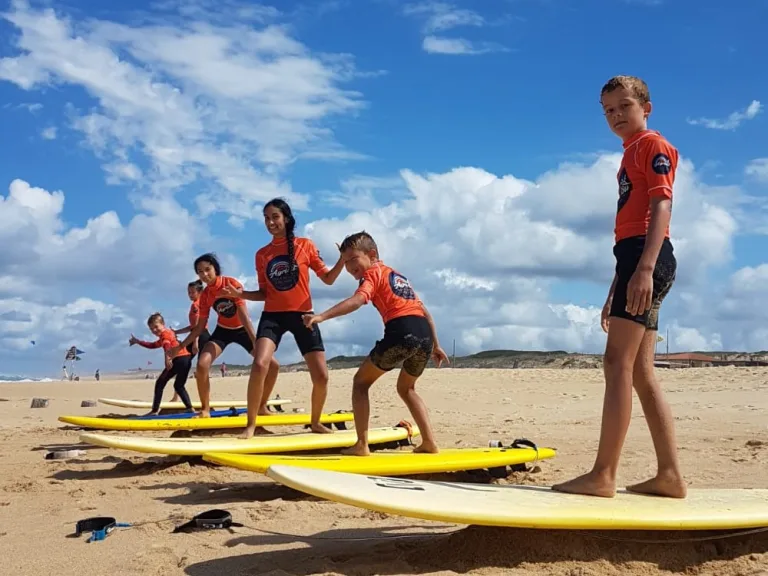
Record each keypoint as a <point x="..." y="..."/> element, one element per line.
<point x="640" y="292"/>
<point x="439" y="356"/>
<point x="310" y="319"/>
<point x="605" y="316"/>
<point x="132" y="340"/>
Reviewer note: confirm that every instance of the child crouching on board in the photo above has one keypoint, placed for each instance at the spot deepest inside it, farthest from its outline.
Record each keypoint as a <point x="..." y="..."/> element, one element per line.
<point x="178" y="366"/>
<point x="409" y="337"/>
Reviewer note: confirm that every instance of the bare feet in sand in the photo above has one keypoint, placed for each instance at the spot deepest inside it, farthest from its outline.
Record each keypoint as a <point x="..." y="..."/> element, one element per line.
<point x="667" y="484"/>
<point x="426" y="448"/>
<point x="357" y="450"/>
<point x="590" y="484"/>
<point x="320" y="429"/>
<point x="251" y="431"/>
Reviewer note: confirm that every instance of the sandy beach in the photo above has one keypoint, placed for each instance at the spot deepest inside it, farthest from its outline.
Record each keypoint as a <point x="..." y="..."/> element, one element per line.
<point x="721" y="419"/>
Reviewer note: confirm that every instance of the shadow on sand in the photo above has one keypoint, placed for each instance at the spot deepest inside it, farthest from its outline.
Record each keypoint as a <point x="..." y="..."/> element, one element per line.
<point x="217" y="493"/>
<point x="125" y="468"/>
<point x="477" y="547"/>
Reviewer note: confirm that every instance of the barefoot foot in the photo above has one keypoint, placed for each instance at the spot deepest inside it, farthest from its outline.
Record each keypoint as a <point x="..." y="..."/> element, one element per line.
<point x="152" y="413"/>
<point x="357" y="450"/>
<point x="590" y="484"/>
<point x="670" y="485"/>
<point x="426" y="448"/>
<point x="203" y="414"/>
<point x="248" y="433"/>
<point x="320" y="429"/>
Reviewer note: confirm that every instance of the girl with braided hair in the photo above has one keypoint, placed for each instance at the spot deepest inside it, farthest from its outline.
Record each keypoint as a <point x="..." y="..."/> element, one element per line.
<point x="282" y="269"/>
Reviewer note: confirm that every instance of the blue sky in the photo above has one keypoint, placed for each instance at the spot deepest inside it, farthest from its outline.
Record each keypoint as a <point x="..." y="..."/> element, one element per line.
<point x="165" y="126"/>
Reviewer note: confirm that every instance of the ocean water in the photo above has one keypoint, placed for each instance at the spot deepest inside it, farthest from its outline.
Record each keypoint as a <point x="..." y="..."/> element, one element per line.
<point x="7" y="378"/>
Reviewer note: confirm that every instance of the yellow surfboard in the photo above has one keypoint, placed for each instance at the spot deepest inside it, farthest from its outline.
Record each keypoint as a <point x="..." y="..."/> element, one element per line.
<point x="531" y="506"/>
<point x="144" y="405"/>
<point x="221" y="422"/>
<point x="389" y="463"/>
<point x="264" y="444"/>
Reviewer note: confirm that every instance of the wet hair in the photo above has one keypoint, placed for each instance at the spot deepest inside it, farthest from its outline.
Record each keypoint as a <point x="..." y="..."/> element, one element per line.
<point x="359" y="241"/>
<point x="211" y="259"/>
<point x="636" y="86"/>
<point x="196" y="284"/>
<point x="290" y="225"/>
<point x="154" y="318"/>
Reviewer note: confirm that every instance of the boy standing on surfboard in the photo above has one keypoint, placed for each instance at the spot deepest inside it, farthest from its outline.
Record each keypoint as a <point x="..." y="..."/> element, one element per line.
<point x="645" y="272"/>
<point x="410" y="337"/>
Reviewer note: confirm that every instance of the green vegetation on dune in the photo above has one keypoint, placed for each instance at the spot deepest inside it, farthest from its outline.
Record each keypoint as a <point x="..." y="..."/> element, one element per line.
<point x="519" y="359"/>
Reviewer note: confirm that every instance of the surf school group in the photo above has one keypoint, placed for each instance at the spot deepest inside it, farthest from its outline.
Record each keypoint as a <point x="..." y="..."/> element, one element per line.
<point x="645" y="269"/>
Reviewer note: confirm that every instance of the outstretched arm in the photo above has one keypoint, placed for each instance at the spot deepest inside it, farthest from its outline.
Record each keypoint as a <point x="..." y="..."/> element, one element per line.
<point x="341" y="309"/>
<point x="326" y="275"/>
<point x="194" y="333"/>
<point x="143" y="343"/>
<point x="252" y="295"/>
<point x="330" y="275"/>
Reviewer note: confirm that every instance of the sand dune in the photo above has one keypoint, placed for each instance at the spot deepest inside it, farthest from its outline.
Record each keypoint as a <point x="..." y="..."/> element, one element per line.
<point x="721" y="418"/>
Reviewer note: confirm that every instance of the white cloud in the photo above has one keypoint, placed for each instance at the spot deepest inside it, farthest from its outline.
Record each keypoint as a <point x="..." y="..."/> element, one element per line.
<point x="219" y="101"/>
<point x="363" y="192"/>
<point x="87" y="323"/>
<point x="49" y="133"/>
<point x="440" y="17"/>
<point x="734" y="119"/>
<point x="43" y="251"/>
<point x="441" y="45"/>
<point x="758" y="169"/>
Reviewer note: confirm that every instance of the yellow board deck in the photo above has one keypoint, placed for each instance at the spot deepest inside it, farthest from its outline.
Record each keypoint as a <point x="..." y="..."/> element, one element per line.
<point x="531" y="506"/>
<point x="220" y="422"/>
<point x="144" y="405"/>
<point x="389" y="463"/>
<point x="263" y="444"/>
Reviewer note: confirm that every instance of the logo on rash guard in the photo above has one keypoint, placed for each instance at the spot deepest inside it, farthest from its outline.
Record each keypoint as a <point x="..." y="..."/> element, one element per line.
<point x="279" y="273"/>
<point x="661" y="163"/>
<point x="400" y="286"/>
<point x="625" y="187"/>
<point x="225" y="307"/>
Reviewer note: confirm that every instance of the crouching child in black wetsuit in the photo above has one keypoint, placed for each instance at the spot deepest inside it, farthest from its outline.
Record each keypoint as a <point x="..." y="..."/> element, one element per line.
<point x="178" y="366"/>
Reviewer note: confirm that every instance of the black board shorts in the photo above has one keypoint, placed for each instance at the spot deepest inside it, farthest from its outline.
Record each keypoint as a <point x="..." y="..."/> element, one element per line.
<point x="407" y="339"/>
<point x="628" y="252"/>
<point x="223" y="337"/>
<point x="201" y="340"/>
<point x="274" y="325"/>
